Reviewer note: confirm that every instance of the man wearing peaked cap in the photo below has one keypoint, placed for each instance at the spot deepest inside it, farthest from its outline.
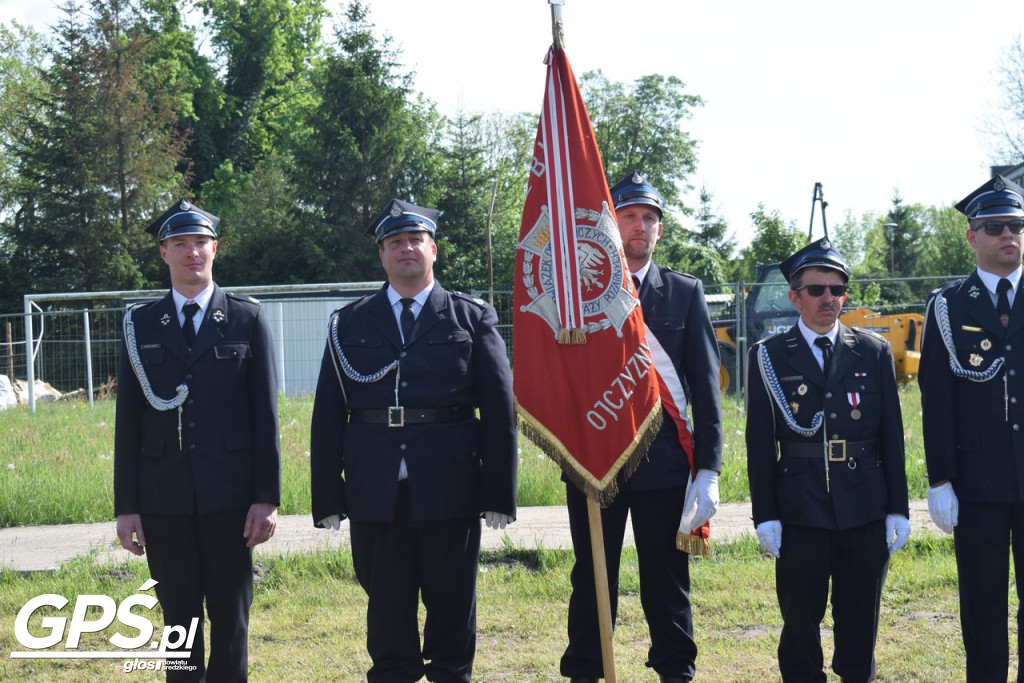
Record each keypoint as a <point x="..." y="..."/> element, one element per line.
<point x="197" y="453"/>
<point x="684" y="452"/>
<point x="184" y="218"/>
<point x="972" y="405"/>
<point x="397" y="449"/>
<point x="818" y="254"/>
<point x="634" y="189"/>
<point x="401" y="217"/>
<point x="825" y="463"/>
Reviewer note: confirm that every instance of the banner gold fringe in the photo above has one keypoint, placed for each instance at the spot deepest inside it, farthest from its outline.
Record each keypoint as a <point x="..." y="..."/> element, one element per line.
<point x="603" y="491"/>
<point x="576" y="335"/>
<point x="694" y="545"/>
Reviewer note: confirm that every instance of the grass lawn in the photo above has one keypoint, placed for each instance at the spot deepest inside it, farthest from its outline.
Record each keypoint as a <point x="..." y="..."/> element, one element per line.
<point x="308" y="617"/>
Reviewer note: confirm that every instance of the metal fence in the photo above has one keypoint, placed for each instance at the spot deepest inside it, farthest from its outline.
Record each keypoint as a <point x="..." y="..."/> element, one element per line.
<point x="76" y="348"/>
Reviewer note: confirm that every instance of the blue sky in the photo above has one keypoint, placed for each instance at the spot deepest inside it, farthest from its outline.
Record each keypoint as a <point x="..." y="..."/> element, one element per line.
<point x="863" y="97"/>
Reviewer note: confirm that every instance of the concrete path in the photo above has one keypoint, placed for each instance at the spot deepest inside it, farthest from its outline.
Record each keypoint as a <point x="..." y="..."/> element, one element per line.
<point x="35" y="548"/>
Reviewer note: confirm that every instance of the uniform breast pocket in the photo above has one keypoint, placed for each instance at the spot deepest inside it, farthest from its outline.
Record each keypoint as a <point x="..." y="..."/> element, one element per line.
<point x="453" y="349"/>
<point x="666" y="323"/>
<point x="232" y="354"/>
<point x="365" y="351"/>
<point x="863" y="398"/>
<point x="975" y="348"/>
<point x="152" y="355"/>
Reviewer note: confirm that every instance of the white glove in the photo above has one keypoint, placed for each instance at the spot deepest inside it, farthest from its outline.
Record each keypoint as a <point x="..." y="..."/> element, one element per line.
<point x="331" y="522"/>
<point x="770" y="536"/>
<point x="943" y="506"/>
<point x="897" y="531"/>
<point x="497" y="520"/>
<point x="701" y="500"/>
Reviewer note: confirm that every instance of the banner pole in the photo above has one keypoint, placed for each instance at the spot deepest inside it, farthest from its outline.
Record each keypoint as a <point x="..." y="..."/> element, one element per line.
<point x="557" y="33"/>
<point x="604" y="607"/>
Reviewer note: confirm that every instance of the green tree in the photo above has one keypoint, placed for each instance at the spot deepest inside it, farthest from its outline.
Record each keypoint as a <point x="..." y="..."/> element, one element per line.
<point x="140" y="147"/>
<point x="97" y="152"/>
<point x="640" y="127"/>
<point x="945" y="250"/>
<point x="370" y="140"/>
<point x="711" y="230"/>
<point x="850" y="238"/>
<point x="21" y="64"/>
<point x="262" y="238"/>
<point x="508" y="149"/>
<point x="703" y="263"/>
<point x="773" y="241"/>
<point x="265" y="49"/>
<point x="464" y="203"/>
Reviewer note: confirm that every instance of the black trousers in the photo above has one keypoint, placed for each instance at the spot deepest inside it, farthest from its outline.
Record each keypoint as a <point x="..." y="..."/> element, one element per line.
<point x="398" y="562"/>
<point x="664" y="581"/>
<point x="984" y="537"/>
<point x="857" y="561"/>
<point x="203" y="557"/>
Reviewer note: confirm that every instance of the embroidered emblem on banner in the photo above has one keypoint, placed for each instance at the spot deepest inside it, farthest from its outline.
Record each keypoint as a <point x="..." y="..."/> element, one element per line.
<point x="606" y="301"/>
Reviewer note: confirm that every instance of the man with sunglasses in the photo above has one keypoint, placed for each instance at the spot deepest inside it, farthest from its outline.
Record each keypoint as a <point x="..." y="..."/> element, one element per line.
<point x="825" y="462"/>
<point x="972" y="355"/>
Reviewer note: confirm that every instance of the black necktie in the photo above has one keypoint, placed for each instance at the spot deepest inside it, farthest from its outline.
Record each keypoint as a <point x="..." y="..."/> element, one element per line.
<point x="189" y="329"/>
<point x="1003" y="301"/>
<point x="825" y="344"/>
<point x="407" y="319"/>
<point x="636" y="283"/>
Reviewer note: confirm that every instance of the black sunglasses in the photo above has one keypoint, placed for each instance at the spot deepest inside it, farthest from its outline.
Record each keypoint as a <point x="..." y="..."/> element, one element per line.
<point x="995" y="228"/>
<point x="818" y="290"/>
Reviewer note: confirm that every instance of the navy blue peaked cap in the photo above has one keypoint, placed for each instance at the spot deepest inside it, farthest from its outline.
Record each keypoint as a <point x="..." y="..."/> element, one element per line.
<point x="401" y="217"/>
<point x="819" y="254"/>
<point x="184" y="218"/>
<point x="1000" y="196"/>
<point x="634" y="189"/>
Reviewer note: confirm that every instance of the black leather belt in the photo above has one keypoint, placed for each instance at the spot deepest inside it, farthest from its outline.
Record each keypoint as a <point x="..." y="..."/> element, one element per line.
<point x="399" y="416"/>
<point x="839" y="450"/>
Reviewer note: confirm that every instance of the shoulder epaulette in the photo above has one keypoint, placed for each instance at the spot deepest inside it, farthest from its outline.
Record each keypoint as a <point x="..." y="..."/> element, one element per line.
<point x="466" y="297"/>
<point x="869" y="333"/>
<point x="946" y="285"/>
<point x="244" y="298"/>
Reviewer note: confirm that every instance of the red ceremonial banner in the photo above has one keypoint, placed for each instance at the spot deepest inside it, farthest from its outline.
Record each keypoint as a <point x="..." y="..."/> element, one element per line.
<point x="585" y="384"/>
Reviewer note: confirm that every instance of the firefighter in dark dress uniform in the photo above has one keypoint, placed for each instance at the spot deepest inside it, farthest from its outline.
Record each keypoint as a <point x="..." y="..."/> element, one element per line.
<point x="654" y="497"/>
<point x="197" y="473"/>
<point x="398" y="449"/>
<point x="972" y="401"/>
<point x="826" y="467"/>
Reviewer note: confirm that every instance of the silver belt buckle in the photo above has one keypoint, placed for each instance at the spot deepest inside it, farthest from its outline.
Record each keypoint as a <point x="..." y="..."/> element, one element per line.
<point x="396" y="416"/>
